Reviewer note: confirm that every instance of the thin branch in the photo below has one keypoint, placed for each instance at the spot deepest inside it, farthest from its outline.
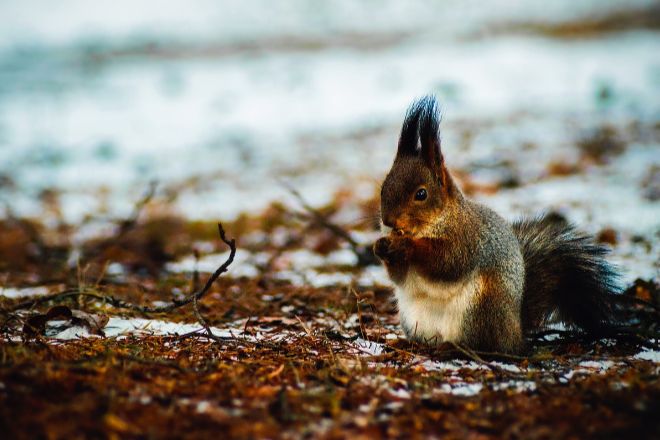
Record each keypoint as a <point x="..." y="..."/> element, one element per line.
<point x="203" y="322"/>
<point x="128" y="224"/>
<point x="322" y="219"/>
<point x="364" y="253"/>
<point x="119" y="303"/>
<point x="125" y="226"/>
<point x="475" y="357"/>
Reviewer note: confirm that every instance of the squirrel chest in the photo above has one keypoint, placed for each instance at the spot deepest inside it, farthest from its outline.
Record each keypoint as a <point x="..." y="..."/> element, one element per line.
<point x="434" y="311"/>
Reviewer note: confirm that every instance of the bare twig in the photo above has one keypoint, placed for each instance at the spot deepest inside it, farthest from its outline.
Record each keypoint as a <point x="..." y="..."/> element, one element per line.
<point x="125" y="226"/>
<point x="202" y="321"/>
<point x="119" y="303"/>
<point x="364" y="253"/>
<point x="128" y="224"/>
<point x="359" y="313"/>
<point x="475" y="357"/>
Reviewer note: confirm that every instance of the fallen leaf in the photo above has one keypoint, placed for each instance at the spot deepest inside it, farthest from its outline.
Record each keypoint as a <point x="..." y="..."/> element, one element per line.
<point x="37" y="324"/>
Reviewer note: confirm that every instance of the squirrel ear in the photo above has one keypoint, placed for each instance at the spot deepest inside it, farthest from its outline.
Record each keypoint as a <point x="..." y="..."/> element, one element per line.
<point x="422" y="123"/>
<point x="429" y="137"/>
<point x="410" y="130"/>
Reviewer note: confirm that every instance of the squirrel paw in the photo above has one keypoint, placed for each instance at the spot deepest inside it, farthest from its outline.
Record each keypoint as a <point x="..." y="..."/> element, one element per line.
<point x="392" y="248"/>
<point x="381" y="246"/>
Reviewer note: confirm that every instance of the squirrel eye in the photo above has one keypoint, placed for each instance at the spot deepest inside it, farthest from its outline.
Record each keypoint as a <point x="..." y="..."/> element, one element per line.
<point x="421" y="195"/>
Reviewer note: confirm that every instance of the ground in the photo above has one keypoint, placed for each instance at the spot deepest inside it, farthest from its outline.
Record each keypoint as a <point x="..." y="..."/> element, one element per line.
<point x="127" y="133"/>
<point x="305" y="343"/>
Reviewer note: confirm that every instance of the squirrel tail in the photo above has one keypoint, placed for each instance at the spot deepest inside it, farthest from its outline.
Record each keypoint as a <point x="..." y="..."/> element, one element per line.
<point x="566" y="276"/>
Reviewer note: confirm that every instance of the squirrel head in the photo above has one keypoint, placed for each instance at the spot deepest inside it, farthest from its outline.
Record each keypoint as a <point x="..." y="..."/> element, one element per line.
<point x="418" y="187"/>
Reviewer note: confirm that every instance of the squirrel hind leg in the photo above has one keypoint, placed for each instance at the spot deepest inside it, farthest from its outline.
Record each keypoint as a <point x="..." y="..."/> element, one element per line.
<point x="493" y="324"/>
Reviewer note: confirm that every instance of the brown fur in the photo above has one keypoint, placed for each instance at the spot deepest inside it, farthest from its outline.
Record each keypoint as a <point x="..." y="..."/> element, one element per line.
<point x="494" y="322"/>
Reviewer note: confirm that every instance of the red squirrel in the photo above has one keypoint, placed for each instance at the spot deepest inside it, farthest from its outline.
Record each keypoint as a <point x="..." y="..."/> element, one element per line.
<point x="465" y="275"/>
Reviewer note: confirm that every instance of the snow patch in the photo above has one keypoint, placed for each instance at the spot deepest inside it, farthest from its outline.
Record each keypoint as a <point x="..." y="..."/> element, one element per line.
<point x="24" y="292"/>
<point x="117" y="326"/>
<point x="649" y="355"/>
<point x="241" y="266"/>
<point x="461" y="389"/>
<point x="368" y="347"/>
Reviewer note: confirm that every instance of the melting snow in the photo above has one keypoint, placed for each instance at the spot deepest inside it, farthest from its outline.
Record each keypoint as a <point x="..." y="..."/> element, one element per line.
<point x="12" y="292"/>
<point x="461" y="389"/>
<point x="368" y="347"/>
<point x="649" y="355"/>
<point x="117" y="326"/>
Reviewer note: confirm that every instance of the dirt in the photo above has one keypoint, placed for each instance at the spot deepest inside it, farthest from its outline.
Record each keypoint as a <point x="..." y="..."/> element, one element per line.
<point x="306" y="362"/>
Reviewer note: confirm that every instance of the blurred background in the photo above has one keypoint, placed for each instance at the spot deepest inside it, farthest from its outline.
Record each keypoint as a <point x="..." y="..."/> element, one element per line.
<point x="546" y="106"/>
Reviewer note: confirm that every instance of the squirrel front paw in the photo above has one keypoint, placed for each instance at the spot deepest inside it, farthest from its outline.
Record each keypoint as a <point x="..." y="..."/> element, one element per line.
<point x="391" y="249"/>
<point x="381" y="247"/>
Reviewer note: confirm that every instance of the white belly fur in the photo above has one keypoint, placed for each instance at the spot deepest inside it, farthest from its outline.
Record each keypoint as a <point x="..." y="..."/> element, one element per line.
<point x="434" y="310"/>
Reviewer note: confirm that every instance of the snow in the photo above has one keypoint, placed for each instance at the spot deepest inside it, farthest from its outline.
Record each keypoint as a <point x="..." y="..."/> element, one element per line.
<point x="306" y="259"/>
<point x="243" y="122"/>
<point x="118" y="326"/>
<point x="462" y="389"/>
<point x="649" y="355"/>
<point x="368" y="347"/>
<point x="599" y="366"/>
<point x="455" y="365"/>
<point x="319" y="120"/>
<point x="342" y="257"/>
<point x="605" y="197"/>
<point x="317" y="279"/>
<point x="303" y="267"/>
<point x="299" y="267"/>
<point x="374" y="276"/>
<point x="25" y="292"/>
<point x="518" y="386"/>
<point x="31" y="22"/>
<point x="203" y="406"/>
<point x="400" y="393"/>
<point x="240" y="267"/>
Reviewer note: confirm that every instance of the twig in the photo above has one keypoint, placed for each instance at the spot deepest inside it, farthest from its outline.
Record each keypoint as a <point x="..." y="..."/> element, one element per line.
<point x="359" y="313"/>
<point x="126" y="225"/>
<point x="203" y="322"/>
<point x="364" y="253"/>
<point x="119" y="303"/>
<point x="475" y="357"/>
<point x="129" y="223"/>
<point x="504" y="356"/>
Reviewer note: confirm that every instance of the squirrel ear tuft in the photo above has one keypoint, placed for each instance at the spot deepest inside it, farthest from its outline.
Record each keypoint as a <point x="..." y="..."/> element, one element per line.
<point x="421" y="126"/>
<point x="410" y="130"/>
<point x="429" y="135"/>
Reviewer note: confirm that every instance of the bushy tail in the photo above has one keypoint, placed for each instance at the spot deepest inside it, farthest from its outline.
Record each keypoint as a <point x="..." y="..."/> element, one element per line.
<point x="566" y="276"/>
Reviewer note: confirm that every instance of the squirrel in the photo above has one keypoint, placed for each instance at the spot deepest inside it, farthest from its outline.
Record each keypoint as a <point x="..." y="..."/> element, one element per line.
<point x="462" y="273"/>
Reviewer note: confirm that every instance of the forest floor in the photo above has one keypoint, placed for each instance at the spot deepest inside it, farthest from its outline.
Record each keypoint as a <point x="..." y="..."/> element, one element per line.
<point x="282" y="128"/>
<point x="304" y="342"/>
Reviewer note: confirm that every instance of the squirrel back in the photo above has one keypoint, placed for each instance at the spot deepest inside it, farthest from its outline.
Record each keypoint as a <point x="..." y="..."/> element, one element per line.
<point x="464" y="274"/>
